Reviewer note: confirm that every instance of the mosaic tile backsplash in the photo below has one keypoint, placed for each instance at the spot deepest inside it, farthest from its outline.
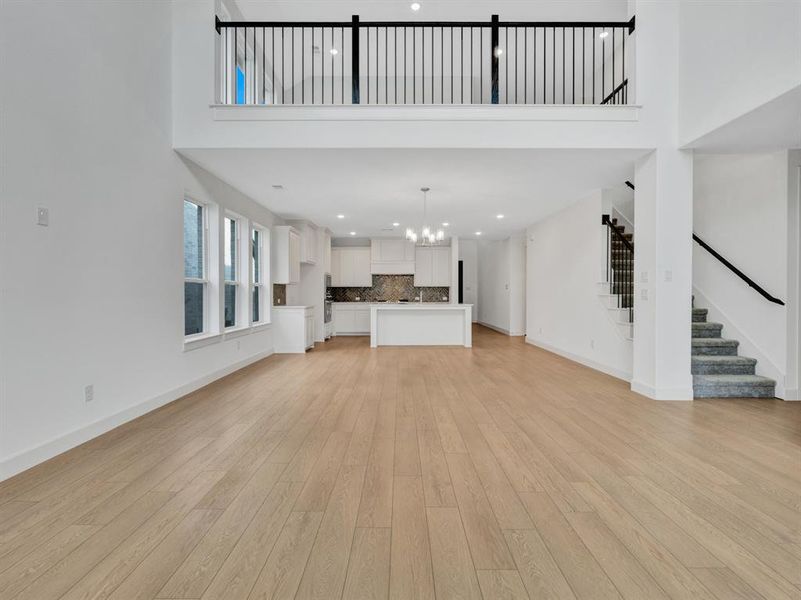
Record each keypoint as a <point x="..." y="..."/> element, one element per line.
<point x="390" y="288"/>
<point x="279" y="294"/>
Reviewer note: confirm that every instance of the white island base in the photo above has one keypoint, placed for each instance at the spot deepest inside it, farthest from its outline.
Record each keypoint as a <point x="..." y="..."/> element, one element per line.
<point x="421" y="324"/>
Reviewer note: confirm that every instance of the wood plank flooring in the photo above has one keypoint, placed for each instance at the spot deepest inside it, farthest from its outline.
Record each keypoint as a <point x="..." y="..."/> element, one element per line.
<point x="498" y="472"/>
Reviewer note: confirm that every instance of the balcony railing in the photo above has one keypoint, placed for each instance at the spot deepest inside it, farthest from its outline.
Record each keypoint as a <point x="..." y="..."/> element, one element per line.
<point x="388" y="62"/>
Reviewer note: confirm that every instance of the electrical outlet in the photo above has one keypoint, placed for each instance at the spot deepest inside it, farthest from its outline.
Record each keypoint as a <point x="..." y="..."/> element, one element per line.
<point x="89" y="393"/>
<point x="238" y="345"/>
<point x="668" y="276"/>
<point x="540" y="331"/>
<point x="644" y="277"/>
<point x="644" y="293"/>
<point x="43" y="216"/>
<point x="592" y="344"/>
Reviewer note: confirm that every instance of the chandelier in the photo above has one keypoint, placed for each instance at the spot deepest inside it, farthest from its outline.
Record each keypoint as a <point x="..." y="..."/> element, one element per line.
<point x="426" y="235"/>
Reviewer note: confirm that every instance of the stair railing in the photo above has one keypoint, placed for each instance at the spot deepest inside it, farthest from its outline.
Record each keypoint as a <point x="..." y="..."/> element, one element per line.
<point x="759" y="289"/>
<point x="751" y="283"/>
<point x="619" y="266"/>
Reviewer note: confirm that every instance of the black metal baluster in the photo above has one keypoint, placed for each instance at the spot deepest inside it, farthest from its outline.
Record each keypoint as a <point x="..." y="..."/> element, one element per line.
<point x="494" y="59"/>
<point x="603" y="68"/>
<point x="613" y="58"/>
<point x="354" y="59"/>
<point x="593" y="65"/>
<point x="293" y="65"/>
<point x="461" y="65"/>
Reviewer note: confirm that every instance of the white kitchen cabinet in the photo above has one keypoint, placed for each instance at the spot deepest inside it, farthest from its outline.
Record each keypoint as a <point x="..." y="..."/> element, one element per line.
<point x="432" y="266"/>
<point x="392" y="257"/>
<point x="350" y="267"/>
<point x="285" y="254"/>
<point x="351" y="318"/>
<point x="309" y="252"/>
<point x="293" y="329"/>
<point x="327" y="253"/>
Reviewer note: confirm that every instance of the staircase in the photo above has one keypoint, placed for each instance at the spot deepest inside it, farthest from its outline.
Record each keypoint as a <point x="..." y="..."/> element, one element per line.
<point x="718" y="371"/>
<point x="618" y="289"/>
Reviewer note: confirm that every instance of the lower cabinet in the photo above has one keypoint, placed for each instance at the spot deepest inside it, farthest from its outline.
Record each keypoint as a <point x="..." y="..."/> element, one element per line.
<point x="293" y="329"/>
<point x="351" y="318"/>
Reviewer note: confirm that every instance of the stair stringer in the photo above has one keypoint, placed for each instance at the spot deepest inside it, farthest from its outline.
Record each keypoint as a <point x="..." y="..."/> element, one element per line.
<point x="765" y="366"/>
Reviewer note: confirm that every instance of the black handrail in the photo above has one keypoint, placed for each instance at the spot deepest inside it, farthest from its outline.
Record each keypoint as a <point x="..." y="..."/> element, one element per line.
<point x="751" y="283"/>
<point x="738" y="272"/>
<point x="619" y="266"/>
<point x="618" y="95"/>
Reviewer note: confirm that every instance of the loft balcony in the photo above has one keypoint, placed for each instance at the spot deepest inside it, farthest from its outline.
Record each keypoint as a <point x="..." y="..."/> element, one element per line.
<point x="436" y="63"/>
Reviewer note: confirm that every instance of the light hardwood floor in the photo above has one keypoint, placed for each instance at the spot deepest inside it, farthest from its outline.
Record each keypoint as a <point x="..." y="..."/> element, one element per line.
<point x="498" y="472"/>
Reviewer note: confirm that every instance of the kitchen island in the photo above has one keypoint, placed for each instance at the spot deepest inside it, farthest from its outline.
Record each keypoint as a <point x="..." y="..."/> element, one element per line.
<point x="421" y="324"/>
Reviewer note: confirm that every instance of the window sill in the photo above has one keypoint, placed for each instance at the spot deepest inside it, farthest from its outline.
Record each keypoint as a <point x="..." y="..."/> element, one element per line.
<point x="201" y="341"/>
<point x="259" y="327"/>
<point x="235" y="332"/>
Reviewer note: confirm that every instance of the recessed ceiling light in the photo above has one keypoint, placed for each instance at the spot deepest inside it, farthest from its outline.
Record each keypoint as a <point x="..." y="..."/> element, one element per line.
<point x="499" y="216"/>
<point x="340" y="216"/>
<point x="478" y="233"/>
<point x="446" y="224"/>
<point x="603" y="34"/>
<point x="353" y="233"/>
<point x="396" y="224"/>
<point x="415" y="6"/>
<point x="334" y="51"/>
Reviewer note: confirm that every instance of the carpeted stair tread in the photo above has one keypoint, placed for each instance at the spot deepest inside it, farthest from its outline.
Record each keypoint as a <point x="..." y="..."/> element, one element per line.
<point x="722" y="365"/>
<point x="699" y="315"/>
<point x="706" y="330"/>
<point x="714" y="346"/>
<point x="733" y="386"/>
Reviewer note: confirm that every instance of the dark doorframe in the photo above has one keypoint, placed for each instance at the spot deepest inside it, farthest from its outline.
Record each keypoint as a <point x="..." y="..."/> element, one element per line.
<point x="461" y="280"/>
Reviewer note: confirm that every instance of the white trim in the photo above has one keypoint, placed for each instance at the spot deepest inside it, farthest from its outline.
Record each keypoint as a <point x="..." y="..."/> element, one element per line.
<point x="33" y="456"/>
<point x="581" y="360"/>
<point x="201" y="340"/>
<point x="499" y="329"/>
<point x="678" y="394"/>
<point x="792" y="395"/>
<point x="426" y="112"/>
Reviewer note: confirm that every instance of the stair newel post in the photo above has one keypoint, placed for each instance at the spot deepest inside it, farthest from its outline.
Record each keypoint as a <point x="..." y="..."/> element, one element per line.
<point x="494" y="58"/>
<point x="354" y="63"/>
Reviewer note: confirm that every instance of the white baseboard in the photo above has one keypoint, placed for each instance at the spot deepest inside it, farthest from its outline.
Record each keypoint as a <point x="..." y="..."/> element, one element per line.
<point x="792" y="395"/>
<point x="581" y="360"/>
<point x="681" y="394"/>
<point x="33" y="456"/>
<point x="499" y="329"/>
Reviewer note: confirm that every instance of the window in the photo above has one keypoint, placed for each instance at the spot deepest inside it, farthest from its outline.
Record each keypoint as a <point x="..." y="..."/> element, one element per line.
<point x="195" y="282"/>
<point x="231" y="270"/>
<point x="257" y="294"/>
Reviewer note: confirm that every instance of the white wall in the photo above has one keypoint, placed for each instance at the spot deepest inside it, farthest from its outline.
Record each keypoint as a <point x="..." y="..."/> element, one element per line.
<point x="468" y="254"/>
<point x="501" y="284"/>
<point x="566" y="256"/>
<point x="741" y="210"/>
<point x="96" y="297"/>
<point x="735" y="55"/>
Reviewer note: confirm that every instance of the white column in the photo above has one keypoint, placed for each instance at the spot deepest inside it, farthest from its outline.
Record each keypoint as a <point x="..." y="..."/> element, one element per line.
<point x="793" y="377"/>
<point x="663" y="275"/>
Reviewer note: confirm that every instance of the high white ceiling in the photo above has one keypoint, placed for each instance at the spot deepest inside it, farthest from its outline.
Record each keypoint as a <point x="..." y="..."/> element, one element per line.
<point x="433" y="10"/>
<point x="375" y="188"/>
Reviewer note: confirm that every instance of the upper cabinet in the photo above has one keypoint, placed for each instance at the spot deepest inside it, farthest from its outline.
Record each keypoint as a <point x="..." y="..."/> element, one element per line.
<point x="392" y="257"/>
<point x="327" y="253"/>
<point x="309" y="251"/>
<point x="432" y="266"/>
<point x="286" y="252"/>
<point x="350" y="267"/>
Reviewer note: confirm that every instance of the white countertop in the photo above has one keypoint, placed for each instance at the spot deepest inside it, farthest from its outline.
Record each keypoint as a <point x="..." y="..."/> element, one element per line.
<point x="410" y="304"/>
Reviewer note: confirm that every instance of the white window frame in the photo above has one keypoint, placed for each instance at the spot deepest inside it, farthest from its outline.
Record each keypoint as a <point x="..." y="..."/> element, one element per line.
<point x="205" y="278"/>
<point x="241" y="275"/>
<point x="263" y="273"/>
